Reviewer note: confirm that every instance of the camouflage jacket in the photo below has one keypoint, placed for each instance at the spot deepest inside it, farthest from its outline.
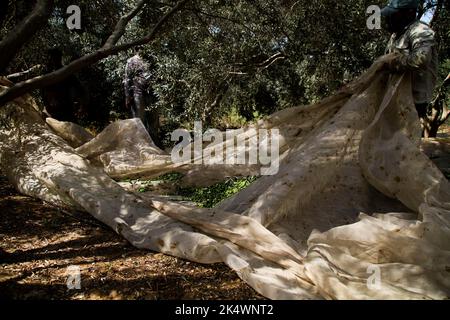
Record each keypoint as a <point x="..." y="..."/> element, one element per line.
<point x="137" y="75"/>
<point x="419" y="54"/>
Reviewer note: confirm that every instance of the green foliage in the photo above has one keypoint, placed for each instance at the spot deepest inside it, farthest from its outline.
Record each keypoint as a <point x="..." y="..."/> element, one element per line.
<point x="213" y="58"/>
<point x="170" y="177"/>
<point x="206" y="197"/>
<point x="211" y="196"/>
<point x="232" y="120"/>
<point x="213" y="61"/>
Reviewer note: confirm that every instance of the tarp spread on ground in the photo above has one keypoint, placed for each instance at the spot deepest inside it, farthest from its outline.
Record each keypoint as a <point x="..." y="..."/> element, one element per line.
<point x="356" y="210"/>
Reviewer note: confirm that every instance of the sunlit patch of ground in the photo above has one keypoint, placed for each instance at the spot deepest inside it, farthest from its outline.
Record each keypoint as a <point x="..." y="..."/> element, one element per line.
<point x="38" y="242"/>
<point x="444" y="130"/>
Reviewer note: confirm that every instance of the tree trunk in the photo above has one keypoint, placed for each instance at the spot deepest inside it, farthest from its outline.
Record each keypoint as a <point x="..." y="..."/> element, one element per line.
<point x="439" y="112"/>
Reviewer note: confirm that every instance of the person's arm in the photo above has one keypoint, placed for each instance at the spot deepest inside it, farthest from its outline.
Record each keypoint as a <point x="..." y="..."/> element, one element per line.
<point x="421" y="41"/>
<point x="419" y="58"/>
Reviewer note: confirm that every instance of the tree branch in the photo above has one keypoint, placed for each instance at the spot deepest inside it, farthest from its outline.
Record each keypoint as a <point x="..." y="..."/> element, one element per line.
<point x="258" y="66"/>
<point x="445" y="116"/>
<point x="439" y="112"/>
<point x="215" y="16"/>
<point x="266" y="64"/>
<point x="51" y="78"/>
<point x="121" y="25"/>
<point x="28" y="27"/>
<point x="23" y="73"/>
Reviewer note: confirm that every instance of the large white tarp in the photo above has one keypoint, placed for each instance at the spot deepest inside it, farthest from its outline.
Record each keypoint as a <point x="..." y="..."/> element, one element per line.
<point x="356" y="211"/>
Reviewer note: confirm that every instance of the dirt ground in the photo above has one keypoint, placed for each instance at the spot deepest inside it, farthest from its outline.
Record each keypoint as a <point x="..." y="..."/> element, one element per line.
<point x="39" y="242"/>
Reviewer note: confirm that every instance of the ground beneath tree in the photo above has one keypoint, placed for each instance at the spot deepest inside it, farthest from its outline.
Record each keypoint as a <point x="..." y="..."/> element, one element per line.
<point x="38" y="242"/>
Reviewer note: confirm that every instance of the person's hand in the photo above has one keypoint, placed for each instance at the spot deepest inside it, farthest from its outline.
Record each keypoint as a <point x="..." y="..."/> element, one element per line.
<point x="396" y="64"/>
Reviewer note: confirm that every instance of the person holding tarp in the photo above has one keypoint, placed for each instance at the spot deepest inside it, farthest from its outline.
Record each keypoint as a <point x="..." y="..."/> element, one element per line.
<point x="415" y="42"/>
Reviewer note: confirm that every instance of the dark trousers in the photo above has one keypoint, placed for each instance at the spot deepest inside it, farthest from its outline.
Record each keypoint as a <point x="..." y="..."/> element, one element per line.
<point x="138" y="109"/>
<point x="150" y="118"/>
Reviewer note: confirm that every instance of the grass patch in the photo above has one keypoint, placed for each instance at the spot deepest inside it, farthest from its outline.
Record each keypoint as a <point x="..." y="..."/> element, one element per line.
<point x="211" y="196"/>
